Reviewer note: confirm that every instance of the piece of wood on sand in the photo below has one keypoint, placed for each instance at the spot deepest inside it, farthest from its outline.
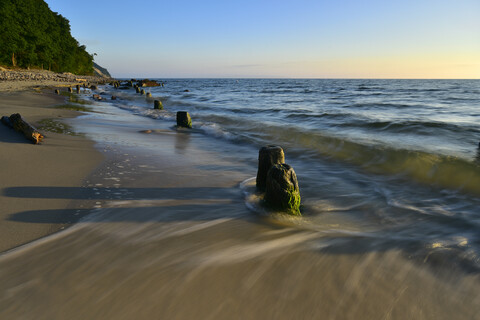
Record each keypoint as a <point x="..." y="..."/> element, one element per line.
<point x="22" y="126"/>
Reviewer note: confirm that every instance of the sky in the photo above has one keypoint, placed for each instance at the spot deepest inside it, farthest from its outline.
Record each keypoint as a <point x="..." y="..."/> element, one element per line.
<point x="279" y="39"/>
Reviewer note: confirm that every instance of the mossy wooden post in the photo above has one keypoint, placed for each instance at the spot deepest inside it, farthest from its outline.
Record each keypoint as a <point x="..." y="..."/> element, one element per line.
<point x="282" y="190"/>
<point x="70" y="90"/>
<point x="78" y="88"/>
<point x="184" y="119"/>
<point x="149" y="94"/>
<point x="137" y="90"/>
<point x="142" y="92"/>
<point x="57" y="91"/>
<point x="157" y="104"/>
<point x="267" y="157"/>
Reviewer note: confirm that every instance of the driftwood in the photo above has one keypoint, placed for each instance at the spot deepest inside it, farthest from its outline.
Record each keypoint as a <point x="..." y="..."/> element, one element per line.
<point x="22" y="126"/>
<point x="6" y="121"/>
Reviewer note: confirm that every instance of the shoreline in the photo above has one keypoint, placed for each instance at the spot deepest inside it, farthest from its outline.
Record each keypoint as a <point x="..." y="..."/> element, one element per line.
<point x="61" y="160"/>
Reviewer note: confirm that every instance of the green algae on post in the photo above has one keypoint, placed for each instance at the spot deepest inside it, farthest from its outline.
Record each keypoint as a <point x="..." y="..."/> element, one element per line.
<point x="282" y="190"/>
<point x="157" y="104"/>
<point x="184" y="119"/>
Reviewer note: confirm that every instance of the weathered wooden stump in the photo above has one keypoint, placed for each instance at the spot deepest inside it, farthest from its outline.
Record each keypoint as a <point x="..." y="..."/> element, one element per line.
<point x="57" y="91"/>
<point x="137" y="90"/>
<point x="157" y="104"/>
<point x="282" y="190"/>
<point x="114" y="98"/>
<point x="184" y="119"/>
<point x="78" y="88"/>
<point x="93" y="87"/>
<point x="70" y="90"/>
<point x="267" y="157"/>
<point x="22" y="126"/>
<point x="142" y="92"/>
<point x="149" y="94"/>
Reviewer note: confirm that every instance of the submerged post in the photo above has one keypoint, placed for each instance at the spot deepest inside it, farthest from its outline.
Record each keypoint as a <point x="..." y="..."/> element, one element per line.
<point x="282" y="190"/>
<point x="78" y="88"/>
<point x="157" y="104"/>
<point x="184" y="119"/>
<point x="267" y="157"/>
<point x="149" y="94"/>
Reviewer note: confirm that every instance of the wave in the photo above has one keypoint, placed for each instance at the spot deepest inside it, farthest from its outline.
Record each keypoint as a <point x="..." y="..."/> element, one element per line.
<point x="418" y="127"/>
<point x="435" y="170"/>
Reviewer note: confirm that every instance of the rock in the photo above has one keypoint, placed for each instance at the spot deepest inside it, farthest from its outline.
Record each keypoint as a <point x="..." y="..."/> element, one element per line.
<point x="184" y="119"/>
<point x="157" y="104"/>
<point x="186" y="90"/>
<point x="97" y="97"/>
<point x="148" y="83"/>
<point x="282" y="190"/>
<point x="114" y="98"/>
<point x="267" y="157"/>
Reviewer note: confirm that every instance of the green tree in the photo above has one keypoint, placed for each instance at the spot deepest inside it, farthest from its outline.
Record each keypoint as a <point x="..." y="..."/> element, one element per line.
<point x="31" y="35"/>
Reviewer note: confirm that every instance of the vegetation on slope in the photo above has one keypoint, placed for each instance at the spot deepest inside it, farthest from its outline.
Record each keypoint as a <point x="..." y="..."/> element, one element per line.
<point x="33" y="36"/>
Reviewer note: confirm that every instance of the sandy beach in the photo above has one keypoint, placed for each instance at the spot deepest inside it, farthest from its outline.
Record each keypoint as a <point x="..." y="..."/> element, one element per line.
<point x="61" y="160"/>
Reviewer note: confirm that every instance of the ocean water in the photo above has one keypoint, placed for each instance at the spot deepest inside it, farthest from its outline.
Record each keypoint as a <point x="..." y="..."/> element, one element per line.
<point x="389" y="175"/>
<point x="396" y="160"/>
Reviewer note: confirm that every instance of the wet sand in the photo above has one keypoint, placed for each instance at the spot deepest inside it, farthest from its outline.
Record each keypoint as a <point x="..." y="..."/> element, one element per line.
<point x="61" y="160"/>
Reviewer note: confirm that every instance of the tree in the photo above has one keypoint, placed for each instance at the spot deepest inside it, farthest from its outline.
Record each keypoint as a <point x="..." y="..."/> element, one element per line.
<point x="31" y="35"/>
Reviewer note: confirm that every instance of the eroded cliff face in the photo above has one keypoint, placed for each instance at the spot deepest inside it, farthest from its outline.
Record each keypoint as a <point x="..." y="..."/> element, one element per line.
<point x="100" y="71"/>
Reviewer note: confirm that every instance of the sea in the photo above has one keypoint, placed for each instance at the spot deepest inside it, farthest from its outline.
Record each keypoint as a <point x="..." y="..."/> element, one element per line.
<point x="399" y="160"/>
<point x="389" y="177"/>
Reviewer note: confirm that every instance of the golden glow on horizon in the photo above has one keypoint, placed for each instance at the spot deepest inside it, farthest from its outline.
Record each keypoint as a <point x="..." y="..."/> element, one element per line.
<point x="421" y="67"/>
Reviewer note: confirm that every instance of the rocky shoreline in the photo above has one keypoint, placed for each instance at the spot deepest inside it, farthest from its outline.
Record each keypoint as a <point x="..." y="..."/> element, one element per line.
<point x="14" y="80"/>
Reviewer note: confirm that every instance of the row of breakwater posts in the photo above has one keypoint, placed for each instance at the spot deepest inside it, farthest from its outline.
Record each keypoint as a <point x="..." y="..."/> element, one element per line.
<point x="183" y="117"/>
<point x="275" y="179"/>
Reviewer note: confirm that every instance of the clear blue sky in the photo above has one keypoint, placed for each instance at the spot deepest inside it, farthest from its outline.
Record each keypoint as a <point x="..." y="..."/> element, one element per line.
<point x="266" y="38"/>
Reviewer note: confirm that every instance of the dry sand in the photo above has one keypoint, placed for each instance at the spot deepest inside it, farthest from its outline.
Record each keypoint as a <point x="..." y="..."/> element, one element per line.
<point x="61" y="160"/>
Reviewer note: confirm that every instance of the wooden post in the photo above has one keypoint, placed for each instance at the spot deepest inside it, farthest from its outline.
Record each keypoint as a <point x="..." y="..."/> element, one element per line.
<point x="184" y="119"/>
<point x="267" y="157"/>
<point x="282" y="190"/>
<point x="157" y="104"/>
